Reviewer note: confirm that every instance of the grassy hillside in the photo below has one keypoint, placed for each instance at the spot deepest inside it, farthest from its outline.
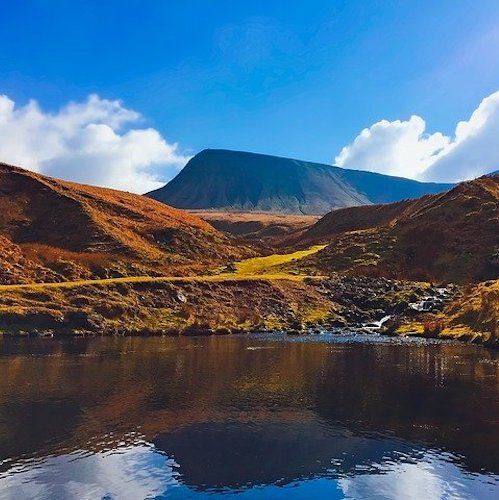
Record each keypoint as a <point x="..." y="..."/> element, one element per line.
<point x="453" y="236"/>
<point x="475" y="312"/>
<point x="51" y="230"/>
<point x="472" y="316"/>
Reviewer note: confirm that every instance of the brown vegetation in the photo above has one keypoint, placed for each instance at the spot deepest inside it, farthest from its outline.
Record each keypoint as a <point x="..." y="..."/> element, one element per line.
<point x="476" y="311"/>
<point x="256" y="226"/>
<point x="452" y="236"/>
<point x="52" y="230"/>
<point x="473" y="315"/>
<point x="163" y="307"/>
<point x="119" y="262"/>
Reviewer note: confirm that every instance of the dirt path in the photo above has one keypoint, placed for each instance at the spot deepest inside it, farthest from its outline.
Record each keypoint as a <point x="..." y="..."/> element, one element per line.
<point x="256" y="268"/>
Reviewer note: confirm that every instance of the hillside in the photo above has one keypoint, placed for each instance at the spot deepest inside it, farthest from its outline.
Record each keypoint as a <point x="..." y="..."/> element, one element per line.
<point x="52" y="230"/>
<point x="453" y="236"/>
<point x="256" y="226"/>
<point x="235" y="180"/>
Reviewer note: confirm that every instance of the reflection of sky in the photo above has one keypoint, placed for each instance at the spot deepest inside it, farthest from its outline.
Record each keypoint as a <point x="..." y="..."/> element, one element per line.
<point x="140" y="472"/>
<point x="129" y="473"/>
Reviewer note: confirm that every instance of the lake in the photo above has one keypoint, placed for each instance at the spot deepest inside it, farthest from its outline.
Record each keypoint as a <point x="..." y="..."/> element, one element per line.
<point x="259" y="416"/>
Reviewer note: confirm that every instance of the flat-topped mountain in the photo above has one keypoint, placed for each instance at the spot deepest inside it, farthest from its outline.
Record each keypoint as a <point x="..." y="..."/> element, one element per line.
<point x="52" y="230"/>
<point x="235" y="180"/>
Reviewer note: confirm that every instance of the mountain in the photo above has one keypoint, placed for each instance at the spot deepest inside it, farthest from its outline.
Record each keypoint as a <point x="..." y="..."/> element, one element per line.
<point x="236" y="180"/>
<point x="453" y="236"/>
<point x="52" y="230"/>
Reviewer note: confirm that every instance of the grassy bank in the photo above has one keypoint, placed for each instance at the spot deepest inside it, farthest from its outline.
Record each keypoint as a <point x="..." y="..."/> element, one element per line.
<point x="254" y="294"/>
<point x="472" y="316"/>
<point x="165" y="307"/>
<point x="250" y="296"/>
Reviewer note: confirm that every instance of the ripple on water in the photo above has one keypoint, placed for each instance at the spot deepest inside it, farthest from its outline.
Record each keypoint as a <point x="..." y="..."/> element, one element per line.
<point x="260" y="416"/>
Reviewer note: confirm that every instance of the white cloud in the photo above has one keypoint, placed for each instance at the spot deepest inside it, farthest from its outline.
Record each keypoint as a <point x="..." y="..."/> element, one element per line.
<point x="475" y="148"/>
<point x="404" y="148"/>
<point x="89" y="142"/>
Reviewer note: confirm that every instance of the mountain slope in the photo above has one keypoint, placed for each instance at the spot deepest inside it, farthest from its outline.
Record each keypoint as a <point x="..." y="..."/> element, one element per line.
<point x="450" y="236"/>
<point x="52" y="230"/>
<point x="235" y="180"/>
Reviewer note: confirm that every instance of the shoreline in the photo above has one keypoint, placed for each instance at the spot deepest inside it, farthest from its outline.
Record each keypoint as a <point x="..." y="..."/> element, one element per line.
<point x="464" y="338"/>
<point x="243" y="305"/>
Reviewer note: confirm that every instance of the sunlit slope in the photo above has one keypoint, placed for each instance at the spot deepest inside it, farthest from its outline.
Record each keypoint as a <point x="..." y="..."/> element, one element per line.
<point x="265" y="265"/>
<point x="53" y="230"/>
<point x="453" y="236"/>
<point x="249" y="269"/>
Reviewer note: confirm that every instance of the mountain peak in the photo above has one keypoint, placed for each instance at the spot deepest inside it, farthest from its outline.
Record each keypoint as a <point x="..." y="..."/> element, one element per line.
<point x="238" y="180"/>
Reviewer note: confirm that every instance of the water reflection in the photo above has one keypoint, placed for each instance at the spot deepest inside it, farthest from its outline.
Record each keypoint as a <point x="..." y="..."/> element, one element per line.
<point x="137" y="418"/>
<point x="217" y="456"/>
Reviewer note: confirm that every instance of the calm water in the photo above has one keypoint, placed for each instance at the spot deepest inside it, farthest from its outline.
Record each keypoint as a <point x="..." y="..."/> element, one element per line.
<point x="260" y="417"/>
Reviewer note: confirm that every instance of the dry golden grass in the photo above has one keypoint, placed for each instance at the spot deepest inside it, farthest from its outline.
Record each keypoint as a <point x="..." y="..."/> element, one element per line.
<point x="48" y="221"/>
<point x="49" y="254"/>
<point x="183" y="306"/>
<point x="249" y="270"/>
<point x="473" y="316"/>
<point x="477" y="311"/>
<point x="261" y="265"/>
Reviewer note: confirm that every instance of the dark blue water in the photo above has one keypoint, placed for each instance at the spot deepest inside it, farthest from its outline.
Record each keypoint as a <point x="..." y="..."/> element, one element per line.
<point x="258" y="417"/>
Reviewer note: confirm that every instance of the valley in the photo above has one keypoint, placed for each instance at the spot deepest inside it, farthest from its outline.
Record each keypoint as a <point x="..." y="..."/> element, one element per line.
<point x="256" y="227"/>
<point x="137" y="266"/>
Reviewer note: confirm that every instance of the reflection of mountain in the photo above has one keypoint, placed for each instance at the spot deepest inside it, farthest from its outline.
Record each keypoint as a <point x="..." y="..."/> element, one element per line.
<point x="218" y="455"/>
<point x="100" y="394"/>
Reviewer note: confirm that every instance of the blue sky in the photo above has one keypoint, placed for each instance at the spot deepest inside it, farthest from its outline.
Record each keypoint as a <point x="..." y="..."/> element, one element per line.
<point x="298" y="79"/>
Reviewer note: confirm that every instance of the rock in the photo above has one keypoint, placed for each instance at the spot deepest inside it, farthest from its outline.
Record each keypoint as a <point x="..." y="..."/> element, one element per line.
<point x="338" y="323"/>
<point x="47" y="334"/>
<point x="390" y="326"/>
<point x="400" y="307"/>
<point x="223" y="331"/>
<point x="230" y="267"/>
<point x="296" y="324"/>
<point x="198" y="330"/>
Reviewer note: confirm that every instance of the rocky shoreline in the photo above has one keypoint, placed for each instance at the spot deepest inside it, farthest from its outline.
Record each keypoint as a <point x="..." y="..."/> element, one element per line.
<point x="376" y="306"/>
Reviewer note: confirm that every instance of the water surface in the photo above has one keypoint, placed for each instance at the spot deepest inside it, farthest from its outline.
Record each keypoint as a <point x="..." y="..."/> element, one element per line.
<point x="257" y="416"/>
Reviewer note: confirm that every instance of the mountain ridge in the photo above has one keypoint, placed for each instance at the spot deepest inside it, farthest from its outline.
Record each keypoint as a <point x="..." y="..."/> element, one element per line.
<point x="244" y="181"/>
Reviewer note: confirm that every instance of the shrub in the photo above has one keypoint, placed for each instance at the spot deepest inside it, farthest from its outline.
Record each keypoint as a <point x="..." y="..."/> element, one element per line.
<point x="432" y="328"/>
